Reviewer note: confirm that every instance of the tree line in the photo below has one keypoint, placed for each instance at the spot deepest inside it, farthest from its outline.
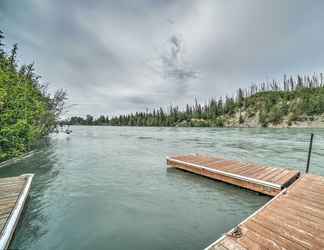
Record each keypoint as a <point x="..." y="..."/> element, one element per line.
<point x="293" y="96"/>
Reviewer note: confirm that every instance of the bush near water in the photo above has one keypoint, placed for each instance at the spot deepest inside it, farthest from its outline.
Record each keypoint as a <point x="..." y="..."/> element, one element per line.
<point x="277" y="103"/>
<point x="27" y="111"/>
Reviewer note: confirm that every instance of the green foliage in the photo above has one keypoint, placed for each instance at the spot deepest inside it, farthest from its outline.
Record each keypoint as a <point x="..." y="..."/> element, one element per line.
<point x="27" y="112"/>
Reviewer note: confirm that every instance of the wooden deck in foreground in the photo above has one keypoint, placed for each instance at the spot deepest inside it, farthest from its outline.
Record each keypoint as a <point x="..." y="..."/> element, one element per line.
<point x="13" y="194"/>
<point x="294" y="219"/>
<point x="263" y="179"/>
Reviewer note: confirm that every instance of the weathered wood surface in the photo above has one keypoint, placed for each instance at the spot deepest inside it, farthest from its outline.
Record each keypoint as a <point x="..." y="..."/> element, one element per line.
<point x="13" y="194"/>
<point x="264" y="179"/>
<point x="294" y="219"/>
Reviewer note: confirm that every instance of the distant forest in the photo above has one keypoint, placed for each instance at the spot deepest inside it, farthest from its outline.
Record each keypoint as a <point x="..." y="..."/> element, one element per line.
<point x="291" y="99"/>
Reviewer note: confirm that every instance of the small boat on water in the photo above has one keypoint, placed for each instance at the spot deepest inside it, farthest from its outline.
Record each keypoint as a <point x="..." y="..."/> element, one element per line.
<point x="68" y="130"/>
<point x="62" y="133"/>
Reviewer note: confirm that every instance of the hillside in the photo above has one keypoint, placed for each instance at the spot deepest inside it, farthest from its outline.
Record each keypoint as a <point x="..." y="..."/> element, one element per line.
<point x="303" y="107"/>
<point x="294" y="102"/>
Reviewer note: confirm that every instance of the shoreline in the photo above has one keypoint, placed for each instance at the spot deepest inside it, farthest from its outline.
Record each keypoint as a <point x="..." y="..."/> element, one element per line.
<point x="281" y="126"/>
<point x="17" y="159"/>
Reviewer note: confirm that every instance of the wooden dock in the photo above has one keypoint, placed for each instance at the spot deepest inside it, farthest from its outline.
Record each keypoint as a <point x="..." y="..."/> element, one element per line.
<point x="294" y="219"/>
<point x="264" y="179"/>
<point x="13" y="194"/>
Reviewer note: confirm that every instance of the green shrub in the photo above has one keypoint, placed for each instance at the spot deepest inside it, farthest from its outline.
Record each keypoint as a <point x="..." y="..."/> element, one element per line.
<point x="27" y="112"/>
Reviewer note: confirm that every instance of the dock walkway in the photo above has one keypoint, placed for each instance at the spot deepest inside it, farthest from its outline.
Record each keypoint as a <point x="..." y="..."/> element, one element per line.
<point x="264" y="179"/>
<point x="294" y="219"/>
<point x="13" y="194"/>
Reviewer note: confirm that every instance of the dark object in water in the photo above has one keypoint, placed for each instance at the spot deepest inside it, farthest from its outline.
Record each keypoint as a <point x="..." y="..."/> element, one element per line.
<point x="68" y="131"/>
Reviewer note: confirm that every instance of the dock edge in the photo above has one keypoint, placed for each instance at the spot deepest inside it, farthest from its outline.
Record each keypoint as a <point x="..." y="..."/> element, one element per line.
<point x="284" y="191"/>
<point x="239" y="177"/>
<point x="12" y="222"/>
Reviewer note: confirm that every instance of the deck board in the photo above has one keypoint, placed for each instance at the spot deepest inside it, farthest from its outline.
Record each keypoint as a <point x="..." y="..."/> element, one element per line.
<point x="268" y="176"/>
<point x="13" y="194"/>
<point x="294" y="219"/>
<point x="264" y="179"/>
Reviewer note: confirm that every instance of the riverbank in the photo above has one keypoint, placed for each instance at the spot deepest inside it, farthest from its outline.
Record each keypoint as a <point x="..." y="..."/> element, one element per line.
<point x="242" y="120"/>
<point x="16" y="159"/>
<point x="253" y="122"/>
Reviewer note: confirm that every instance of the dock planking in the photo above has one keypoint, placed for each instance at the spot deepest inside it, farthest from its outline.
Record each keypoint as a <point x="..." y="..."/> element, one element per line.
<point x="294" y="219"/>
<point x="13" y="194"/>
<point x="263" y="179"/>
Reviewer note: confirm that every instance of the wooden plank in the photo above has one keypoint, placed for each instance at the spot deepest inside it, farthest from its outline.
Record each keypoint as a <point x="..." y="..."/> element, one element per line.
<point x="259" y="241"/>
<point x="4" y="215"/>
<point x="11" y="179"/>
<point x="11" y="185"/>
<point x="240" y="183"/>
<point x="13" y="194"/>
<point x="292" y="220"/>
<point x="219" y="247"/>
<point x="252" y="170"/>
<point x="4" y="187"/>
<point x="7" y="195"/>
<point x="283" y="174"/>
<point x="5" y="200"/>
<point x="235" y="167"/>
<point x="232" y="244"/>
<point x="306" y="193"/>
<point x="201" y="161"/>
<point x="272" y="237"/>
<point x="188" y="168"/>
<point x="222" y="164"/>
<point x="289" y="230"/>
<point x="244" y="168"/>
<point x="300" y="209"/>
<point x="314" y="179"/>
<point x="247" y="242"/>
<point x="303" y="207"/>
<point x="308" y="198"/>
<point x="7" y="204"/>
<point x="11" y="189"/>
<point x="270" y="175"/>
<point x="311" y="188"/>
<point x="5" y="210"/>
<point x="225" y="165"/>
<point x="3" y="221"/>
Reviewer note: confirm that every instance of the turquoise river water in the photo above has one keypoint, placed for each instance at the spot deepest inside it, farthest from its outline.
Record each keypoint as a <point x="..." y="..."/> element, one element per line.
<point x="109" y="187"/>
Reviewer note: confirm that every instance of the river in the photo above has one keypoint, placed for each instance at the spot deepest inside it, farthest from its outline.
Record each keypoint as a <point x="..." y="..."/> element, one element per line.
<point x="110" y="188"/>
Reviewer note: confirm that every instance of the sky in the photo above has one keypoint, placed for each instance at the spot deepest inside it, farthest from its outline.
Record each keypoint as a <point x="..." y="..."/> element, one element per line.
<point x="116" y="57"/>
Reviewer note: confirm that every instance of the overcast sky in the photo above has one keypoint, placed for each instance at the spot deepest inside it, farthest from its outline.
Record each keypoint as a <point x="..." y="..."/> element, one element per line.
<point x="116" y="57"/>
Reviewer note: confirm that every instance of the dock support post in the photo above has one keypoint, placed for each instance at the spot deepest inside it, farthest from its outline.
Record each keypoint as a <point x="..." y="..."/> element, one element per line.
<point x="309" y="152"/>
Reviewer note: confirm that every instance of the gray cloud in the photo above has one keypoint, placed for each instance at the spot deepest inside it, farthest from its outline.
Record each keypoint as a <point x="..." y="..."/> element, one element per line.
<point x="173" y="64"/>
<point x="120" y="56"/>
